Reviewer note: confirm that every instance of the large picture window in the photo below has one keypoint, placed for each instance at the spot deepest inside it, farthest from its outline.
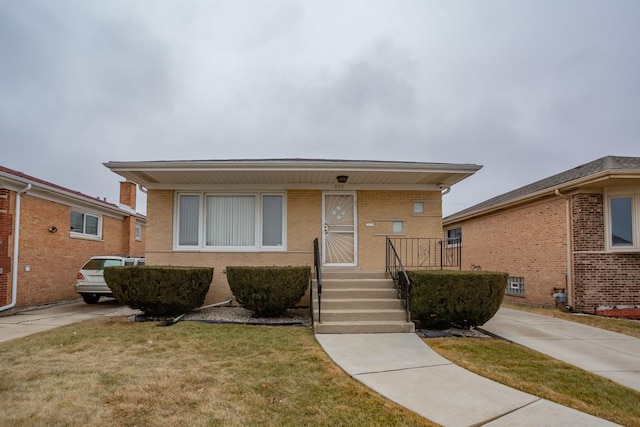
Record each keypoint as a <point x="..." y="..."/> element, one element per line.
<point x="86" y="225"/>
<point x="230" y="221"/>
<point x="623" y="224"/>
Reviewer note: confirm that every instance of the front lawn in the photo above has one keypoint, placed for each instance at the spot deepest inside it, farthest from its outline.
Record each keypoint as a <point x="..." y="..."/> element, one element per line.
<point x="543" y="376"/>
<point x="109" y="372"/>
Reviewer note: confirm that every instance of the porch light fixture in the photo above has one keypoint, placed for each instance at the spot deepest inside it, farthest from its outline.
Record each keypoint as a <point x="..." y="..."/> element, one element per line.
<point x="342" y="178"/>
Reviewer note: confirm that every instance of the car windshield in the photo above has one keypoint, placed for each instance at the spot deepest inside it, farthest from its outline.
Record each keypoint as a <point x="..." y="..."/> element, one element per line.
<point x="100" y="264"/>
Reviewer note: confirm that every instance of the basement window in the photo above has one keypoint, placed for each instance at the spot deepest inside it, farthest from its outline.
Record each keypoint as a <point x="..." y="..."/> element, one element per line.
<point x="515" y="286"/>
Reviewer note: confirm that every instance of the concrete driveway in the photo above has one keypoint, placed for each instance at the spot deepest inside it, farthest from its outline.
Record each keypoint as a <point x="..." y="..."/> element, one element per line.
<point x="30" y="322"/>
<point x="608" y="354"/>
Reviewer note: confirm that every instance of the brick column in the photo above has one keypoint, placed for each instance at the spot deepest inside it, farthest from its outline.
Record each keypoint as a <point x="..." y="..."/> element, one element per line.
<point x="128" y="194"/>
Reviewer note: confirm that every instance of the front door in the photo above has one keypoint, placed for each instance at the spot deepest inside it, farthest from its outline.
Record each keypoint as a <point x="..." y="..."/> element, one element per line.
<point x="339" y="237"/>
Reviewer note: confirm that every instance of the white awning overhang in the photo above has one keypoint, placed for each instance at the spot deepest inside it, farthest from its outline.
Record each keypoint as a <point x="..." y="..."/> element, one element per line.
<point x="292" y="174"/>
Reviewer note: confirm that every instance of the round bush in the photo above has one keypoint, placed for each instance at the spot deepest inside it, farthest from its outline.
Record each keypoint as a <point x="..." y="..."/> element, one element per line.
<point x="441" y="299"/>
<point x="159" y="291"/>
<point x="268" y="291"/>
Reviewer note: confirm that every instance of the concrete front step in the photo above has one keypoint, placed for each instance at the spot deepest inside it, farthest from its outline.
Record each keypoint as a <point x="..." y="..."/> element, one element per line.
<point x="362" y="315"/>
<point x="384" y="283"/>
<point x="353" y="274"/>
<point x="363" y="327"/>
<point x="357" y="302"/>
<point x="360" y="304"/>
<point x="355" y="293"/>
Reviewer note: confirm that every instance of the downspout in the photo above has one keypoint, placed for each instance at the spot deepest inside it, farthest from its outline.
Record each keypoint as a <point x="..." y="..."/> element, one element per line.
<point x="16" y="241"/>
<point x="569" y="274"/>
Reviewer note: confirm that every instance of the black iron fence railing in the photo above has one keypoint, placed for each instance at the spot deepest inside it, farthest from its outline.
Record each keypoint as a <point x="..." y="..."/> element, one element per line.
<point x="428" y="253"/>
<point x="399" y="275"/>
<point x="317" y="262"/>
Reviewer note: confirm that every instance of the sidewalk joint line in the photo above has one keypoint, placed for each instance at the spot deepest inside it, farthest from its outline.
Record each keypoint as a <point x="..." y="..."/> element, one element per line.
<point x="404" y="369"/>
<point x="481" y="423"/>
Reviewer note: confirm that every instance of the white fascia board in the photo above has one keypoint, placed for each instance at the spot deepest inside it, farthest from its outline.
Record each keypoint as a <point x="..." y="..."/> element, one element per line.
<point x="284" y="187"/>
<point x="301" y="165"/>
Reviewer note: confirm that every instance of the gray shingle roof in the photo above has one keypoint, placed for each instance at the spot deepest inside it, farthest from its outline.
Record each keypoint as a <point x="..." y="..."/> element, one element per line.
<point x="592" y="168"/>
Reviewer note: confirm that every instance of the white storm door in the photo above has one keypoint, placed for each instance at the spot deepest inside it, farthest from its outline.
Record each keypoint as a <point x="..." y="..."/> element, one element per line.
<point x="339" y="234"/>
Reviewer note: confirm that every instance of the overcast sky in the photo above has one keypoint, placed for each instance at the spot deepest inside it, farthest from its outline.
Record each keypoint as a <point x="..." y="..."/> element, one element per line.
<point x="525" y="88"/>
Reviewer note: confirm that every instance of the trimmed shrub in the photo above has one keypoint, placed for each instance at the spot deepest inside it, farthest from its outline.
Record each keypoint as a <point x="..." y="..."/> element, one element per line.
<point x="441" y="299"/>
<point x="268" y="291"/>
<point x="159" y="291"/>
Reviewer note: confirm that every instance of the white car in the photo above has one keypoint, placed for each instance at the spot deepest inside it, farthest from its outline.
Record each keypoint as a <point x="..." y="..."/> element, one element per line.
<point x="91" y="284"/>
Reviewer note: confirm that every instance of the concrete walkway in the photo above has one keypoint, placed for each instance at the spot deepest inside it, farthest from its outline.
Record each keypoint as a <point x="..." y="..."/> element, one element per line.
<point x="404" y="369"/>
<point x="30" y="322"/>
<point x="608" y="354"/>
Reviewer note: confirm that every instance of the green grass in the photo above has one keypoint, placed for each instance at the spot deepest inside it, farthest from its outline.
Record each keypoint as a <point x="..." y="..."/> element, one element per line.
<point x="109" y="372"/>
<point x="532" y="372"/>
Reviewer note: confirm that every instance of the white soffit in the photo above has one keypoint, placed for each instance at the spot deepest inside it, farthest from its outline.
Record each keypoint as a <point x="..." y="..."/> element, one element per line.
<point x="290" y="172"/>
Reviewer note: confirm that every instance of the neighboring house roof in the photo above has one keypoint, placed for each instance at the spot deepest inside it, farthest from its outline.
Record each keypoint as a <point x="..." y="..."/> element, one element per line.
<point x="603" y="168"/>
<point x="292" y="173"/>
<point x="17" y="181"/>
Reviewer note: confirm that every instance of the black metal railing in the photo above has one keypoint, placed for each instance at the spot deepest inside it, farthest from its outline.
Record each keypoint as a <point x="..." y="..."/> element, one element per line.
<point x="428" y="253"/>
<point x="317" y="262"/>
<point x="400" y="277"/>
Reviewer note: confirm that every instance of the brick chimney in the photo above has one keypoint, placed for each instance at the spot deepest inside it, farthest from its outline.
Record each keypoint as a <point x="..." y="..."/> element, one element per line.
<point x="128" y="194"/>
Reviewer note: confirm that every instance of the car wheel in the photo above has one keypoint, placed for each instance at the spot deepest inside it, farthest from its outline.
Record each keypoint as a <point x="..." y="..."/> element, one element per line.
<point x="91" y="298"/>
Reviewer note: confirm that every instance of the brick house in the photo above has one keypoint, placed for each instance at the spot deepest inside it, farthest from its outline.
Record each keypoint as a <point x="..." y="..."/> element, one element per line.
<point x="47" y="232"/>
<point x="268" y="212"/>
<point x="577" y="233"/>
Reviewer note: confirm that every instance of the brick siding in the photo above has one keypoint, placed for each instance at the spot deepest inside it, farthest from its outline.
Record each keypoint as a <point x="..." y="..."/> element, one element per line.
<point x="588" y="222"/>
<point x="304" y="223"/>
<point x="607" y="280"/>
<point x="6" y="235"/>
<point x="53" y="259"/>
<point x="601" y="279"/>
<point x="527" y="241"/>
<point x="530" y="241"/>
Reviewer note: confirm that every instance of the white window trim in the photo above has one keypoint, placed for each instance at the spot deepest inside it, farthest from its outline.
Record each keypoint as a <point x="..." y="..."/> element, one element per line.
<point x="84" y="235"/>
<point x="202" y="247"/>
<point x="634" y="194"/>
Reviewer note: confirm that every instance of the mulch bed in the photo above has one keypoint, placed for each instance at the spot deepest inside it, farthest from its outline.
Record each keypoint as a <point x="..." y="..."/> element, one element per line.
<point x="623" y="313"/>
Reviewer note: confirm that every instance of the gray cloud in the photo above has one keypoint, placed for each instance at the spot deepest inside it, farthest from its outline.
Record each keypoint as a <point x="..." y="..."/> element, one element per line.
<point x="528" y="89"/>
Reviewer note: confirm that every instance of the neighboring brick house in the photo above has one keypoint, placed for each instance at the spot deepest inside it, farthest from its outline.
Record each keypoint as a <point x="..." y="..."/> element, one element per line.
<point x="577" y="231"/>
<point x="47" y="232"/>
<point x="268" y="212"/>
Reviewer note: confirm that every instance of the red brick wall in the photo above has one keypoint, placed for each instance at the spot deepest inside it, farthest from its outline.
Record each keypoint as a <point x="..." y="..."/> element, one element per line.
<point x="528" y="241"/>
<point x="587" y="211"/>
<point x="6" y="234"/>
<point x="601" y="278"/>
<point x="606" y="280"/>
<point x="54" y="259"/>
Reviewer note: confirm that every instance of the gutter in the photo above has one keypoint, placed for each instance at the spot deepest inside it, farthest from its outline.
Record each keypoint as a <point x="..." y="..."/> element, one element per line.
<point x="16" y="243"/>
<point x="569" y="273"/>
